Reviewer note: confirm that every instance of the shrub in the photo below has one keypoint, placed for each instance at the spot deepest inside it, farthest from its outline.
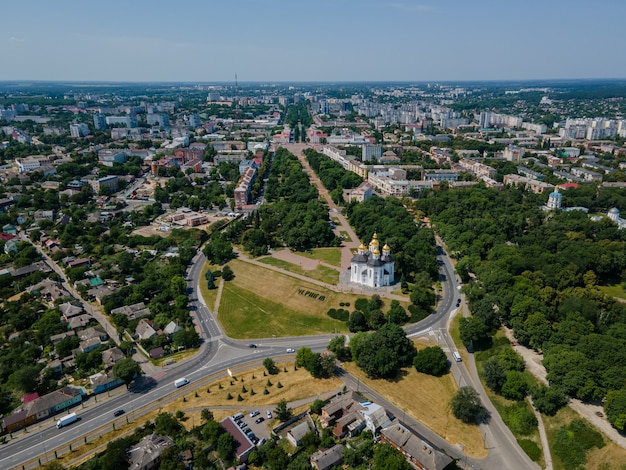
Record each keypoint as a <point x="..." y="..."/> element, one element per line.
<point x="279" y="385"/>
<point x="266" y="391"/>
<point x="520" y="418"/>
<point x="229" y="396"/>
<point x="531" y="449"/>
<point x="338" y="314"/>
<point x="239" y="398"/>
<point x="573" y="441"/>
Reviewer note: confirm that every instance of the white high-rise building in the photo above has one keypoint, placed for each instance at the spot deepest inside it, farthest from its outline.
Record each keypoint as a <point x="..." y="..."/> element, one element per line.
<point x="79" y="129"/>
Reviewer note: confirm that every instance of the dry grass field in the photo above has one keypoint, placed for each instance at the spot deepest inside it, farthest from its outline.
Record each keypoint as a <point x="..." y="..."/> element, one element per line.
<point x="426" y="399"/>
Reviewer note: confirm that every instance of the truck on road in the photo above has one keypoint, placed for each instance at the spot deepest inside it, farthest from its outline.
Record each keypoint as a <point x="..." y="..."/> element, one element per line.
<point x="181" y="382"/>
<point x="65" y="420"/>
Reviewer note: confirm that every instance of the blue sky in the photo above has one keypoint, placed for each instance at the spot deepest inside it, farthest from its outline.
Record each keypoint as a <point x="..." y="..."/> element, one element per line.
<point x="323" y="40"/>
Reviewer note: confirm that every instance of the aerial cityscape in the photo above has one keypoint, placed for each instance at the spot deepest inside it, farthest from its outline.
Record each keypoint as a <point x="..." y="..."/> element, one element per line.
<point x="341" y="235"/>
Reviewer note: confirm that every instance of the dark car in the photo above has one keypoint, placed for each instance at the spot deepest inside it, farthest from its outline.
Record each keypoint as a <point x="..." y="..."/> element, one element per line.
<point x="259" y="420"/>
<point x="118" y="413"/>
<point x="252" y="345"/>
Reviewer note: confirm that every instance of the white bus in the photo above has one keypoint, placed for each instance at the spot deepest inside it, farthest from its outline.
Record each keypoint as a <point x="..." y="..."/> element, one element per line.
<point x="457" y="356"/>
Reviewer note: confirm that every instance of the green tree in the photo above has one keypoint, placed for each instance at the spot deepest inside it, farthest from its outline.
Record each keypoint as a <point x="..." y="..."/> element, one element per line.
<point x="126" y="369"/>
<point x="227" y="273"/>
<point x="207" y="415"/>
<point x="385" y="351"/>
<point x="302" y="356"/>
<point x="549" y="400"/>
<point x="225" y="446"/>
<point x="431" y="361"/>
<point x="474" y="333"/>
<point x="218" y="249"/>
<point x="270" y="365"/>
<point x="337" y="346"/>
<point x="387" y="457"/>
<point x="494" y="374"/>
<point x="397" y="314"/>
<point x="467" y="407"/>
<point x="26" y="378"/>
<point x="515" y="386"/>
<point x="282" y="411"/>
<point x="615" y="408"/>
<point x="357" y="322"/>
<point x="115" y="456"/>
<point x="316" y="406"/>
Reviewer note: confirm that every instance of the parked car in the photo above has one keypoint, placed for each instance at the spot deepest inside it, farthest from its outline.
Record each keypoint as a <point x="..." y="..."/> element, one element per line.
<point x="255" y="413"/>
<point x="269" y="414"/>
<point x="260" y="419"/>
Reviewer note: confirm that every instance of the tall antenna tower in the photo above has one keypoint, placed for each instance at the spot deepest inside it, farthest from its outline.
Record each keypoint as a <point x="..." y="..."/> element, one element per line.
<point x="236" y="98"/>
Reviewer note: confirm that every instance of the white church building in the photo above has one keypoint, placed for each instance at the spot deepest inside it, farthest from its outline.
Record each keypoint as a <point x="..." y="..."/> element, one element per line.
<point x="371" y="268"/>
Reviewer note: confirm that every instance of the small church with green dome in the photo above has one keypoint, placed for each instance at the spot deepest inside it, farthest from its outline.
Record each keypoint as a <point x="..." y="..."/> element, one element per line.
<point x="369" y="267"/>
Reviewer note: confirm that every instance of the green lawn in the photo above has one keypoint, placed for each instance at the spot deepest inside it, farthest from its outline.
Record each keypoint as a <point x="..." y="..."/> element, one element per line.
<point x="326" y="255"/>
<point x="320" y="273"/>
<point x="261" y="303"/>
<point x="614" y="291"/>
<point x="209" y="296"/>
<point x="346" y="237"/>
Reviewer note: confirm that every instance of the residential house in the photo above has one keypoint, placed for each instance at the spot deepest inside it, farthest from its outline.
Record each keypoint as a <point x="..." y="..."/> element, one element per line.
<point x="31" y="268"/>
<point x="350" y="424"/>
<point x="337" y="408"/>
<point x="328" y="458"/>
<point x="375" y="417"/>
<point x="147" y="454"/>
<point x="132" y="312"/>
<point x="171" y="328"/>
<point x="296" y="434"/>
<point x="146" y="329"/>
<point x="81" y="321"/>
<point x="54" y="339"/>
<point x="243" y="444"/>
<point x="42" y="408"/>
<point x="111" y="356"/>
<point x="49" y="290"/>
<point x="70" y="309"/>
<point x="156" y="353"/>
<point x="416" y="450"/>
<point x="94" y="332"/>
<point x="102" y="382"/>
<point x="89" y="345"/>
<point x="77" y="263"/>
<point x="56" y="366"/>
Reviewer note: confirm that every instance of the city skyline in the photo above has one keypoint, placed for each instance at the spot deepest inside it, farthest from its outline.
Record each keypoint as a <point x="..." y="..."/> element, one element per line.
<point x="283" y="41"/>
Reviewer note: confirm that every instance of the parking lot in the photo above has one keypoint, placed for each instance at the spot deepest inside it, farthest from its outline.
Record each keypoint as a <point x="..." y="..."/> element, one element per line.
<point x="260" y="429"/>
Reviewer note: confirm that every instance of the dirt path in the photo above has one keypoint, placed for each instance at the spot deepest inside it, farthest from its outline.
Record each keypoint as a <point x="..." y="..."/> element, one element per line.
<point x="305" y="263"/>
<point x="341" y="225"/>
<point x="592" y="413"/>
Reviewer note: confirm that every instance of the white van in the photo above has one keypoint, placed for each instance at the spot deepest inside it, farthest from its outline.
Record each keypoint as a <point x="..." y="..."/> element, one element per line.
<point x="457" y="356"/>
<point x="181" y="382"/>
